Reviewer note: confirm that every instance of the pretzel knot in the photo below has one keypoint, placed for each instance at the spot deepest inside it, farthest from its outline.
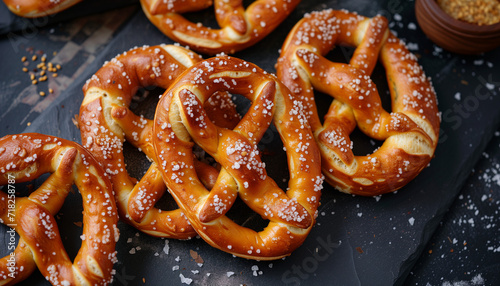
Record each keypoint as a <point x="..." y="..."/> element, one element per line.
<point x="106" y="122"/>
<point x="239" y="28"/>
<point x="180" y="121"/>
<point x="38" y="8"/>
<point x="410" y="131"/>
<point x="24" y="158"/>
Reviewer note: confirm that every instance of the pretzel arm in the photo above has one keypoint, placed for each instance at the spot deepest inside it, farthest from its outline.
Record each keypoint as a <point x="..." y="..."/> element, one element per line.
<point x="22" y="254"/>
<point x="230" y="13"/>
<point x="272" y="203"/>
<point x="166" y="223"/>
<point x="258" y="190"/>
<point x="158" y="7"/>
<point x="357" y="91"/>
<point x="258" y="118"/>
<point x="37" y="226"/>
<point x="24" y="258"/>
<point x="187" y="32"/>
<point x="207" y="174"/>
<point x="220" y="199"/>
<point x="411" y="90"/>
<point x="137" y="129"/>
<point x="4" y="198"/>
<point x="265" y="16"/>
<point x="146" y="193"/>
<point x="55" y="188"/>
<point x="339" y="121"/>
<point x="373" y="33"/>
<point x="38" y="8"/>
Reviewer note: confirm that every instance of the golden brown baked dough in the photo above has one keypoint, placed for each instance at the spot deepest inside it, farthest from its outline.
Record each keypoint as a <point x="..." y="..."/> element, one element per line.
<point x="25" y="157"/>
<point x="410" y="131"/>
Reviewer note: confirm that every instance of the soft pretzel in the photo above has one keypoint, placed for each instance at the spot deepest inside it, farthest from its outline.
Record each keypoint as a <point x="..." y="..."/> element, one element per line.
<point x="410" y="131"/>
<point x="105" y="122"/>
<point x="38" y="8"/>
<point x="239" y="28"/>
<point x="180" y="121"/>
<point x="24" y="158"/>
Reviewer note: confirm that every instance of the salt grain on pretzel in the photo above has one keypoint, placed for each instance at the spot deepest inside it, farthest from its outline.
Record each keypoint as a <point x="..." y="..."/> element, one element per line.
<point x="410" y="131"/>
<point x="180" y="121"/>
<point x="239" y="28"/>
<point x="24" y="158"/>
<point x="38" y="8"/>
<point x="105" y="122"/>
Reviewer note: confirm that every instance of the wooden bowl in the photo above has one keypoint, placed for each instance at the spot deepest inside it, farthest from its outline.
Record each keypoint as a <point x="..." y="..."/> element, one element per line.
<point x="455" y="35"/>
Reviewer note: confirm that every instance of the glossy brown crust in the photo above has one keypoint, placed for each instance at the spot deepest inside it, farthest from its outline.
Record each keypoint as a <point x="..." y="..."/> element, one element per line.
<point x="106" y="122"/>
<point x="239" y="28"/>
<point x="25" y="157"/>
<point x="38" y="8"/>
<point x="181" y="121"/>
<point x="410" y="131"/>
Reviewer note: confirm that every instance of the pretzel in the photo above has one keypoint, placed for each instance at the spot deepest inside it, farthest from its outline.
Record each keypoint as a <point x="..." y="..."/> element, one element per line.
<point x="38" y="8"/>
<point x="180" y="121"/>
<point x="24" y="158"/>
<point x="105" y="122"/>
<point x="239" y="28"/>
<point x="410" y="131"/>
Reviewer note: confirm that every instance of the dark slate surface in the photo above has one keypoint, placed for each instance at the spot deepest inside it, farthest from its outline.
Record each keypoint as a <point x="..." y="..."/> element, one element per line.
<point x="465" y="250"/>
<point x="357" y="240"/>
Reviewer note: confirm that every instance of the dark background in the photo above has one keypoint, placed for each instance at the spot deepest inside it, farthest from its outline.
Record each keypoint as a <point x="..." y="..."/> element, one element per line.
<point x="441" y="229"/>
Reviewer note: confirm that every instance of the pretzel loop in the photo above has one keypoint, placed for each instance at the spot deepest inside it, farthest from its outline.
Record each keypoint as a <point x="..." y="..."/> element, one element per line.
<point x="180" y="122"/>
<point x="24" y="158"/>
<point x="410" y="131"/>
<point x="239" y="28"/>
<point x="106" y="121"/>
